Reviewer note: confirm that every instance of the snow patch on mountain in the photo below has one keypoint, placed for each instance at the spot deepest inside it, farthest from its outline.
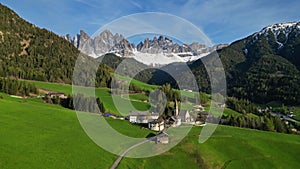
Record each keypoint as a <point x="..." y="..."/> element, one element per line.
<point x="281" y="28"/>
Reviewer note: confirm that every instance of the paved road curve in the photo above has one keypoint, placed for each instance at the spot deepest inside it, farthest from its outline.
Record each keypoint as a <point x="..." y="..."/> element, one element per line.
<point x="116" y="163"/>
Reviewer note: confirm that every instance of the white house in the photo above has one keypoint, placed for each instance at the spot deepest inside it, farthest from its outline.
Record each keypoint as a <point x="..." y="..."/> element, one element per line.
<point x="142" y="117"/>
<point x="157" y="125"/>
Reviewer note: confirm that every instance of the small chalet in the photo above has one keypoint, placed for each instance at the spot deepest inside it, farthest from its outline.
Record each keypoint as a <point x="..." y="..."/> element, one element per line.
<point x="162" y="138"/>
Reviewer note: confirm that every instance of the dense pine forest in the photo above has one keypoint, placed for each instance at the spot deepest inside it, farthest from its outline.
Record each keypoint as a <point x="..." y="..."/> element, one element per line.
<point x="13" y="86"/>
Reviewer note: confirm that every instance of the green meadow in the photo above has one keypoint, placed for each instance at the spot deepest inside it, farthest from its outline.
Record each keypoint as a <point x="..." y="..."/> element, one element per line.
<point x="108" y="100"/>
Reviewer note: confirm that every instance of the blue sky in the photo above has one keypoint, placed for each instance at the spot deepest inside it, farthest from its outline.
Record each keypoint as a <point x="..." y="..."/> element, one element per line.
<point x="223" y="21"/>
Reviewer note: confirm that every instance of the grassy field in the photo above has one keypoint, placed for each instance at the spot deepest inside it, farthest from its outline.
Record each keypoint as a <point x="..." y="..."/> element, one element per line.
<point x="140" y="97"/>
<point x="228" y="112"/>
<point x="39" y="135"/>
<point x="297" y="113"/>
<point x="143" y="86"/>
<point x="229" y="147"/>
<point x="104" y="95"/>
<point x="65" y="88"/>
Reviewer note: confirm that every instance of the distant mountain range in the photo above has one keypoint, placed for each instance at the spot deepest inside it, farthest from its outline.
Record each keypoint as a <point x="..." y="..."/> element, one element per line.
<point x="157" y="51"/>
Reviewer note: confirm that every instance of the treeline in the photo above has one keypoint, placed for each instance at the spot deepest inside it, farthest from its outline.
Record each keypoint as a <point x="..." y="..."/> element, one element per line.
<point x="136" y="89"/>
<point x="243" y="106"/>
<point x="78" y="102"/>
<point x="267" y="123"/>
<point x="170" y="93"/>
<point x="103" y="76"/>
<point x="121" y="87"/>
<point x="13" y="86"/>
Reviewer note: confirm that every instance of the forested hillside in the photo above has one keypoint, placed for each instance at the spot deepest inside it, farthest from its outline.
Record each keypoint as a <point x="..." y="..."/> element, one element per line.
<point x="263" y="67"/>
<point x="28" y="52"/>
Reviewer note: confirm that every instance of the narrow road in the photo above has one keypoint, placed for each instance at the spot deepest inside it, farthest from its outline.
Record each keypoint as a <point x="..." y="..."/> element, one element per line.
<point x="116" y="163"/>
<point x="285" y="117"/>
<point x="122" y="96"/>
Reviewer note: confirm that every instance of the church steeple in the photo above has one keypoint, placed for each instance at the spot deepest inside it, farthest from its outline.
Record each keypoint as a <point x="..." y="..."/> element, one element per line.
<point x="176" y="108"/>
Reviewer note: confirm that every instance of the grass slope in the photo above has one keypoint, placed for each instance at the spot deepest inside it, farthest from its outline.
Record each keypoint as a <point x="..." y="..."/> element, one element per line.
<point x="229" y="147"/>
<point x="103" y="94"/>
<point x="38" y="135"/>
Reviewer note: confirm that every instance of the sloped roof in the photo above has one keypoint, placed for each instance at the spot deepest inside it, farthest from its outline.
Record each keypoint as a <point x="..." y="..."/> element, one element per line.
<point x="159" y="120"/>
<point x="162" y="134"/>
<point x="142" y="113"/>
<point x="183" y="113"/>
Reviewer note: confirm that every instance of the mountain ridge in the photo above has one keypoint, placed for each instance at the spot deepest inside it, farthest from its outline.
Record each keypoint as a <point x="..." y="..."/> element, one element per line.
<point x="147" y="51"/>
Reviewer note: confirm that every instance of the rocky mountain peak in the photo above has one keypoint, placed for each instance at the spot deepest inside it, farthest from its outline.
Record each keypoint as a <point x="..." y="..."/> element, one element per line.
<point x="103" y="43"/>
<point x="107" y="42"/>
<point x="84" y="35"/>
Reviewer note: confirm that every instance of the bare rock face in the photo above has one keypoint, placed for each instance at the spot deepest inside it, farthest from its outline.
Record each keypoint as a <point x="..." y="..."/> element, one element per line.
<point x="106" y="42"/>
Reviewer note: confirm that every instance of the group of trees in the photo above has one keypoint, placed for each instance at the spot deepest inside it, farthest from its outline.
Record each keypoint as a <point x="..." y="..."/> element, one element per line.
<point x="267" y="123"/>
<point x="136" y="89"/>
<point x="13" y="86"/>
<point x="88" y="104"/>
<point x="263" y="121"/>
<point x="78" y="102"/>
<point x="103" y="76"/>
<point x="170" y="93"/>
<point x="243" y="106"/>
<point x="158" y="101"/>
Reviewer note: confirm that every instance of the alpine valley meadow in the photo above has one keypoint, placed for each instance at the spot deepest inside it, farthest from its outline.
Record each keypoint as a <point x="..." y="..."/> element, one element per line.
<point x="259" y="127"/>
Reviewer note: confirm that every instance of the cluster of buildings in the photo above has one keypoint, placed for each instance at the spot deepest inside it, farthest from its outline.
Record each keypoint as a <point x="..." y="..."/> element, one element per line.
<point x="156" y="123"/>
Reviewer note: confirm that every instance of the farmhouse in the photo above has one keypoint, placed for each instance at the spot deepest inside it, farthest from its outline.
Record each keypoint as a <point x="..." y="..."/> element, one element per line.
<point x="157" y="125"/>
<point x="57" y="94"/>
<point x="142" y="117"/>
